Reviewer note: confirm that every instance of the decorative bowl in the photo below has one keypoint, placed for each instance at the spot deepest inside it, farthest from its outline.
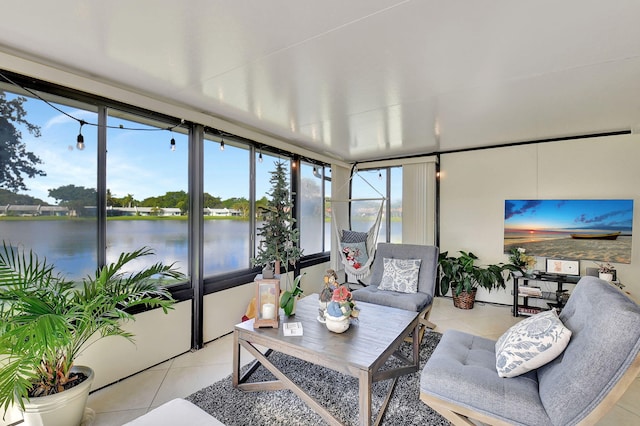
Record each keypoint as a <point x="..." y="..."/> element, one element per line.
<point x="337" y="324"/>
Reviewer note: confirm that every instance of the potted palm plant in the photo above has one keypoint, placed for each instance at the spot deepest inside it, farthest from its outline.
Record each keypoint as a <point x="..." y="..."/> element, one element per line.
<point x="463" y="276"/>
<point x="46" y="321"/>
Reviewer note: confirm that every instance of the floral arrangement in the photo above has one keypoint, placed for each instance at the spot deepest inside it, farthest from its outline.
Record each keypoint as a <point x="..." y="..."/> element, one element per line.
<point x="352" y="255"/>
<point x="342" y="303"/>
<point x="520" y="260"/>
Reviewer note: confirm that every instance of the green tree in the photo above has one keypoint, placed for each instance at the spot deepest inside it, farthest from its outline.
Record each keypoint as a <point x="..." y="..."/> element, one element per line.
<point x="8" y="197"/>
<point x="280" y="237"/>
<point x="15" y="161"/>
<point x="243" y="206"/>
<point x="211" y="202"/>
<point x="74" y="197"/>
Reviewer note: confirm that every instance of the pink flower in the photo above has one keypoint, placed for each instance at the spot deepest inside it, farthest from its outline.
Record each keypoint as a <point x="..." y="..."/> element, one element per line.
<point x="341" y="294"/>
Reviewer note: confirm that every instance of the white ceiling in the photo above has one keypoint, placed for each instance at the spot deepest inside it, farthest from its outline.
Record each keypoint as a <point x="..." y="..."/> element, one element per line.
<point x="361" y="79"/>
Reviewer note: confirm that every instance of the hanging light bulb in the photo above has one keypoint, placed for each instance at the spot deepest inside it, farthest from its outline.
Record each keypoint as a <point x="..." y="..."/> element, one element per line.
<point x="221" y="144"/>
<point x="80" y="139"/>
<point x="260" y="157"/>
<point x="173" y="144"/>
<point x="379" y="174"/>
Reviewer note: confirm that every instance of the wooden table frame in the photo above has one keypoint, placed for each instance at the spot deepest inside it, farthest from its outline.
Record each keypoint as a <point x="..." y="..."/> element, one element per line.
<point x="360" y="352"/>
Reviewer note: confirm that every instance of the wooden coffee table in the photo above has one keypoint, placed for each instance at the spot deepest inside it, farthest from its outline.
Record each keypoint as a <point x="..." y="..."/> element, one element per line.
<point x="360" y="352"/>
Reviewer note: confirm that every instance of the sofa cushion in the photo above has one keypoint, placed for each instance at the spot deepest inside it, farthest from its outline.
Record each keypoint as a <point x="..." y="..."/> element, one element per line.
<point x="400" y="275"/>
<point x="531" y="343"/>
<point x="409" y="301"/>
<point x="462" y="370"/>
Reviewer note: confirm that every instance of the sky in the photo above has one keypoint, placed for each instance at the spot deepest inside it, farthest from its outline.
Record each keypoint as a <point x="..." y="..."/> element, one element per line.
<point x="568" y="214"/>
<point x="140" y="161"/>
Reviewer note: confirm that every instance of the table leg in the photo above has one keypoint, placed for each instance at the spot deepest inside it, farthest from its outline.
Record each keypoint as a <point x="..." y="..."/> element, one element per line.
<point x="364" y="389"/>
<point x="236" y="360"/>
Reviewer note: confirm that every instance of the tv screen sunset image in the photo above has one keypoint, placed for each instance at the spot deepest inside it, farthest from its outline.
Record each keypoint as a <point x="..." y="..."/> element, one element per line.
<point x="598" y="230"/>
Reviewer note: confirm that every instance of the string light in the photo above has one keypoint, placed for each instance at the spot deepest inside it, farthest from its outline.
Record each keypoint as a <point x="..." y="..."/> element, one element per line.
<point x="173" y="144"/>
<point x="260" y="157"/>
<point x="221" y="144"/>
<point x="80" y="139"/>
<point x="379" y="174"/>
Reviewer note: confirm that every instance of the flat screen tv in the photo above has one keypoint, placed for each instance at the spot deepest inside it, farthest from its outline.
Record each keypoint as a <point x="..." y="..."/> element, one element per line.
<point x="597" y="230"/>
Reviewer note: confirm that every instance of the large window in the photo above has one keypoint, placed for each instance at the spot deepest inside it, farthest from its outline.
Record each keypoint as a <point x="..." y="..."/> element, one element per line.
<point x="147" y="191"/>
<point x="227" y="232"/>
<point x="127" y="185"/>
<point x="53" y="212"/>
<point x="311" y="218"/>
<point x="369" y="186"/>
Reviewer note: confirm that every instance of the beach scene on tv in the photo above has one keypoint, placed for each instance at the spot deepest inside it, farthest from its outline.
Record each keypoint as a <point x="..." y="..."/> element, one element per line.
<point x="597" y="230"/>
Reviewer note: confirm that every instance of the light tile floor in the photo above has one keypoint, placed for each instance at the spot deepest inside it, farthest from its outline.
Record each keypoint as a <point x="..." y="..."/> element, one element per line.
<point x="181" y="376"/>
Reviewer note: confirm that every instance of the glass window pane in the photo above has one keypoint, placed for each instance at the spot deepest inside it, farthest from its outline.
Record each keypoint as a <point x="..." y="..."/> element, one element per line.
<point x="147" y="191"/>
<point x="311" y="218"/>
<point x="227" y="246"/>
<point x="396" y="204"/>
<point x="368" y="184"/>
<point x="328" y="226"/>
<point x="53" y="212"/>
<point x="263" y="185"/>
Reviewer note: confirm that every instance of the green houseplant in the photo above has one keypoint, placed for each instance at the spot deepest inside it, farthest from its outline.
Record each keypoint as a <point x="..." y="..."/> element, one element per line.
<point x="289" y="297"/>
<point x="463" y="276"/>
<point x="46" y="321"/>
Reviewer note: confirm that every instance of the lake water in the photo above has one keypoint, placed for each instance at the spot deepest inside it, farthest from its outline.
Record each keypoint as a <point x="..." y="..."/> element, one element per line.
<point x="71" y="244"/>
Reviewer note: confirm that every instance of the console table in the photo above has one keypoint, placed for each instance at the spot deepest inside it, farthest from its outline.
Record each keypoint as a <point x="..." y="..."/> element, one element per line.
<point x="557" y="297"/>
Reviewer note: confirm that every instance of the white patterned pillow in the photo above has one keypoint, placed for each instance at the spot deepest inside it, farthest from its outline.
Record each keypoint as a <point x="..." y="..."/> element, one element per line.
<point x="531" y="343"/>
<point x="400" y="275"/>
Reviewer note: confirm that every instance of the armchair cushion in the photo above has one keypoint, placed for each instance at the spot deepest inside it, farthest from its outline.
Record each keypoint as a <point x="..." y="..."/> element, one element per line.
<point x="353" y="236"/>
<point x="418" y="301"/>
<point x="531" y="343"/>
<point x="400" y="275"/>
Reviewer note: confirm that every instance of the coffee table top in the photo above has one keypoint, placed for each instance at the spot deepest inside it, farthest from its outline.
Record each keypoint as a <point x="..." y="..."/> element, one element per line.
<point x="378" y="331"/>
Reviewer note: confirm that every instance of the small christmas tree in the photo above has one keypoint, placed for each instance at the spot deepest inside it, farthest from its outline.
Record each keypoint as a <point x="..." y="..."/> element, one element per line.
<point x="279" y="237"/>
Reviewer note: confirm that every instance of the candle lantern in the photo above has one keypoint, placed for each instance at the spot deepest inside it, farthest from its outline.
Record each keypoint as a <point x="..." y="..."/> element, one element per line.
<point x="267" y="303"/>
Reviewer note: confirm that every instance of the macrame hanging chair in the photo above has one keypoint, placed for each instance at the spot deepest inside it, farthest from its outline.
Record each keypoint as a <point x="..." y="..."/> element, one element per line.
<point x="356" y="264"/>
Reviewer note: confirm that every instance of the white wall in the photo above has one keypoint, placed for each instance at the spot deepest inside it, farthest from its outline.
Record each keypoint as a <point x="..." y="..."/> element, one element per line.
<point x="475" y="184"/>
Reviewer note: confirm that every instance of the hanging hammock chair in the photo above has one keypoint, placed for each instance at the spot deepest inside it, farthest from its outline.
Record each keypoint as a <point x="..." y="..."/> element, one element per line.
<point x="357" y="249"/>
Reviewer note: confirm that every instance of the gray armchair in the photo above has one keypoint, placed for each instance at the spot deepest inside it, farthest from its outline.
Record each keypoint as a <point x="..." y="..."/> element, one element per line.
<point x="422" y="300"/>
<point x="601" y="360"/>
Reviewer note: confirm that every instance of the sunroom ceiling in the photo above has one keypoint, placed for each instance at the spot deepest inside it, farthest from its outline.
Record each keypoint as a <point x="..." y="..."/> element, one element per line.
<point x="356" y="80"/>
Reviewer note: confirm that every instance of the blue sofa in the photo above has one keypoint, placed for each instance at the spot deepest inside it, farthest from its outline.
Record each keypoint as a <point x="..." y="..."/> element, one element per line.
<point x="601" y="360"/>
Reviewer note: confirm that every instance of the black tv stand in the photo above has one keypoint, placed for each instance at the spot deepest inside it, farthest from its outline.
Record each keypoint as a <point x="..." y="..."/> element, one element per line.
<point x="556" y="300"/>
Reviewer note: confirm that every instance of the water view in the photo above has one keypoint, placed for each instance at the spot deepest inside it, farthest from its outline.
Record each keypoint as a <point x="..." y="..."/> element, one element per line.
<point x="71" y="244"/>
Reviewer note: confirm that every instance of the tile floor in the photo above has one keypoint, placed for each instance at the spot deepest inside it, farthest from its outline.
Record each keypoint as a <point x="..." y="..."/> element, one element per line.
<point x="179" y="377"/>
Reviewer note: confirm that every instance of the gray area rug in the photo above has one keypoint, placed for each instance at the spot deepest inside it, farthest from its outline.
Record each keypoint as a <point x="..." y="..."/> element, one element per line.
<point x="336" y="392"/>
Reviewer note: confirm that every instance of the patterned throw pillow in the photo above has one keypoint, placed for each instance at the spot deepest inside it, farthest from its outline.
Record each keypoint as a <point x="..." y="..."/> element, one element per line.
<point x="400" y="275"/>
<point x="531" y="343"/>
<point x="353" y="236"/>
<point x="356" y="253"/>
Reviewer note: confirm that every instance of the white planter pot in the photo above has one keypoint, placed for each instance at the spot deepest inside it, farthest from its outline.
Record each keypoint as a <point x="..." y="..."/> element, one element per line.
<point x="605" y="276"/>
<point x="62" y="409"/>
